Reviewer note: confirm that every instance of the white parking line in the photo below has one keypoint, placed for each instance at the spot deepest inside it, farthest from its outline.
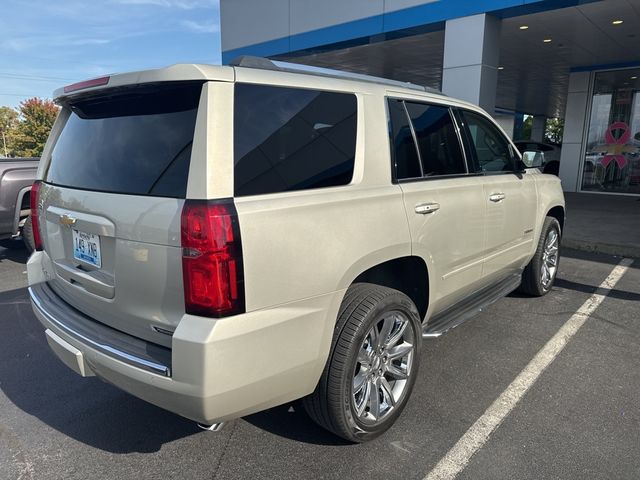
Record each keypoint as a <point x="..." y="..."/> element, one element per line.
<point x="457" y="458"/>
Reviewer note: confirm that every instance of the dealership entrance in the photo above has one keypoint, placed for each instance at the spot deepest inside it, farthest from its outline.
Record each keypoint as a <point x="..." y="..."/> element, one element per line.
<point x="571" y="59"/>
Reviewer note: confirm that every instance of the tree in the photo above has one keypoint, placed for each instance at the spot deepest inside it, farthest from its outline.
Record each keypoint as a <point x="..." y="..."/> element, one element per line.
<point x="36" y="117"/>
<point x="554" y="131"/>
<point x="8" y="124"/>
<point x="527" y="126"/>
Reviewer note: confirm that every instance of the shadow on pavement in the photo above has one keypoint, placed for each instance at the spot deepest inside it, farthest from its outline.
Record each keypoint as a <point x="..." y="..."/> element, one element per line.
<point x="291" y="421"/>
<point x="16" y="252"/>
<point x="582" y="287"/>
<point x="85" y="409"/>
<point x="594" y="257"/>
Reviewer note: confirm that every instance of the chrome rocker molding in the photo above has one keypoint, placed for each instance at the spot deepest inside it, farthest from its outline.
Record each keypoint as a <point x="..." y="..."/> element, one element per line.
<point x="109" y="350"/>
<point x="470" y="307"/>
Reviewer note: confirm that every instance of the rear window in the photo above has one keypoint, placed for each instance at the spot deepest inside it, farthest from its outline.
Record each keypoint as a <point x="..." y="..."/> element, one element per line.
<point x="292" y="139"/>
<point x="133" y="141"/>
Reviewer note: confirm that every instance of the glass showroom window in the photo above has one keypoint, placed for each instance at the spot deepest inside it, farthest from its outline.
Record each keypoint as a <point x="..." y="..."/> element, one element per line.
<point x="612" y="161"/>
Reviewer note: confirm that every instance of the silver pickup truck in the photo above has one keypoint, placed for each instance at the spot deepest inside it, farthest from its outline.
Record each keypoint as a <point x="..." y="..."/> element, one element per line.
<point x="16" y="177"/>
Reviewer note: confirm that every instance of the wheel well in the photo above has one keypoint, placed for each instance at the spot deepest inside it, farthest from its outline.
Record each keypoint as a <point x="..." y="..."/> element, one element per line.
<point x="558" y="214"/>
<point x="26" y="201"/>
<point x="406" y="274"/>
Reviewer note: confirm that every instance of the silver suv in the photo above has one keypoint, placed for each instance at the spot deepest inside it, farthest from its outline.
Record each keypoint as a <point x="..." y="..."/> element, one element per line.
<point x="218" y="240"/>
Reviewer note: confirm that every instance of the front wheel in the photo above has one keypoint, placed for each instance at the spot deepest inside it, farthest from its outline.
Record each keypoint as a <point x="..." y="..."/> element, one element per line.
<point x="539" y="275"/>
<point x="372" y="366"/>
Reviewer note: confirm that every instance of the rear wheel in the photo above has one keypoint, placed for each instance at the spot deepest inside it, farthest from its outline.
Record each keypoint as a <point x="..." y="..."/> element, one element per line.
<point x="539" y="275"/>
<point x="372" y="366"/>
<point x="27" y="235"/>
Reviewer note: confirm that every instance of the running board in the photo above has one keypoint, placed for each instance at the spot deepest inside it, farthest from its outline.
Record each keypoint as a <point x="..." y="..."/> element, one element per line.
<point x="470" y="307"/>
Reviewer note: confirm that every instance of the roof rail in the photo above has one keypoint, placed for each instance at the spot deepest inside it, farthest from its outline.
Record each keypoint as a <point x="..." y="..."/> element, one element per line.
<point x="262" y="63"/>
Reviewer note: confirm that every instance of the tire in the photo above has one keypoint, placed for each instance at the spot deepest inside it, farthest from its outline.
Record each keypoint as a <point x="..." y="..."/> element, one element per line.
<point x="534" y="280"/>
<point x="27" y="235"/>
<point x="338" y="404"/>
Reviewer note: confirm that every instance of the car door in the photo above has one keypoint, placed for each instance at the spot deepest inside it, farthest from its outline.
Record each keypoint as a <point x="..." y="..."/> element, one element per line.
<point x="443" y="202"/>
<point x="509" y="194"/>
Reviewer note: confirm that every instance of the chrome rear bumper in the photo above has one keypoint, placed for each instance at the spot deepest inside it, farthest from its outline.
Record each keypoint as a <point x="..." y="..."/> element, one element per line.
<point x="118" y="345"/>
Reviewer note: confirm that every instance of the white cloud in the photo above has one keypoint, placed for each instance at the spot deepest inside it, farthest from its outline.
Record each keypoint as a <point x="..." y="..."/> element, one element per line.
<point x="201" y="27"/>
<point x="20" y="44"/>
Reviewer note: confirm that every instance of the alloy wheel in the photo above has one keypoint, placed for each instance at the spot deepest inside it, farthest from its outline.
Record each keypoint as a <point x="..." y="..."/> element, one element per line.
<point x="383" y="367"/>
<point x="550" y="256"/>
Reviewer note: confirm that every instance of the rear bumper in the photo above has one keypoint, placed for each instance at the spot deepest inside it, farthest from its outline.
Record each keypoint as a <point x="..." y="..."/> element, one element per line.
<point x="218" y="370"/>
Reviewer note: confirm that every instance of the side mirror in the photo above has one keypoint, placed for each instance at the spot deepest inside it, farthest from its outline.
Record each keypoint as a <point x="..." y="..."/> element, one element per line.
<point x="533" y="159"/>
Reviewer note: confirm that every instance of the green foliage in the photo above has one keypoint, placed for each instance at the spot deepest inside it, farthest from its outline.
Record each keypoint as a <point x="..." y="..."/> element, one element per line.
<point x="36" y="119"/>
<point x="527" y="125"/>
<point x="554" y="130"/>
<point x="23" y="132"/>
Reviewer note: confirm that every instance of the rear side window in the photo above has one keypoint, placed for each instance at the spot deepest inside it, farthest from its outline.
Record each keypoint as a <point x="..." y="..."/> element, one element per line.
<point x="133" y="141"/>
<point x="289" y="139"/>
<point x="438" y="142"/>
<point x="403" y="147"/>
<point x="424" y="141"/>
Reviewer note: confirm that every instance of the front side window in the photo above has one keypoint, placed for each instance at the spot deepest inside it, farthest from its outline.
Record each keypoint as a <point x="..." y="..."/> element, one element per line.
<point x="288" y="139"/>
<point x="492" y="150"/>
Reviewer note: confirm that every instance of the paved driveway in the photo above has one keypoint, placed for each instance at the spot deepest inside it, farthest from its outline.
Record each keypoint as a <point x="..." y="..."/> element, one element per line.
<point x="580" y="419"/>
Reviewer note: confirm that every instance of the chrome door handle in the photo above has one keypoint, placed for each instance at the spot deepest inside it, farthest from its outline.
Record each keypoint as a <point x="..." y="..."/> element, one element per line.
<point x="425" y="208"/>
<point x="497" y="197"/>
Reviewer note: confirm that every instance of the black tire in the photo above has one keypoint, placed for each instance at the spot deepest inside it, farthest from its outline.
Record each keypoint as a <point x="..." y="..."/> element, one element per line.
<point x="363" y="308"/>
<point x="532" y="277"/>
<point x="27" y="235"/>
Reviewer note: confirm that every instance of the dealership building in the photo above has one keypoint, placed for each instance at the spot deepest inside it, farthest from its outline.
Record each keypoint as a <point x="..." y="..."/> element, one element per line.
<point x="578" y="60"/>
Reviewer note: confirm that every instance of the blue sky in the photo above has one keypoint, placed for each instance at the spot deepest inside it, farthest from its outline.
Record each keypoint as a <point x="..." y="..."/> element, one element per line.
<point x="46" y="44"/>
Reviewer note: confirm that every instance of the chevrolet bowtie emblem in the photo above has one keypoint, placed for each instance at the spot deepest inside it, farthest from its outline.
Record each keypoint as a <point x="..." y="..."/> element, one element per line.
<point x="67" y="220"/>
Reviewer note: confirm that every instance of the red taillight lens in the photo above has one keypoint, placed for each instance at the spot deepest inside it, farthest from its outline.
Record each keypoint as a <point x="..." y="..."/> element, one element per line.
<point x="212" y="259"/>
<point x="35" y="217"/>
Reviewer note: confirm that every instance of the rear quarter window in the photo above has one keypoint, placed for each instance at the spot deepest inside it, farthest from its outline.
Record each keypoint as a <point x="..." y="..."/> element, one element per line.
<point x="288" y="139"/>
<point x="134" y="141"/>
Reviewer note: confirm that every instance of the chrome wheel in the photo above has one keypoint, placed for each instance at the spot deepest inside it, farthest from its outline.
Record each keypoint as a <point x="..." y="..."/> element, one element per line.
<point x="550" y="256"/>
<point x="383" y="368"/>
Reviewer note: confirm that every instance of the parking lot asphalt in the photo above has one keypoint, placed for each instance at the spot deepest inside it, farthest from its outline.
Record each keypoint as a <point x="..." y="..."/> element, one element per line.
<point x="580" y="419"/>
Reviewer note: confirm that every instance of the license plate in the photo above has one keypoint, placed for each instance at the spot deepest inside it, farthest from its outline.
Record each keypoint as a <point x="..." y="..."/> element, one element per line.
<point x="86" y="248"/>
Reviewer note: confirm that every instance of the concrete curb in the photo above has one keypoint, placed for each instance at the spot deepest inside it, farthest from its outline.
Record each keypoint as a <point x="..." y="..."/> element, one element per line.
<point x="632" y="251"/>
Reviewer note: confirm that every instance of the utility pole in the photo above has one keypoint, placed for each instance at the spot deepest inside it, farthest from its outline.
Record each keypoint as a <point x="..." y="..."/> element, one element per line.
<point x="4" y="144"/>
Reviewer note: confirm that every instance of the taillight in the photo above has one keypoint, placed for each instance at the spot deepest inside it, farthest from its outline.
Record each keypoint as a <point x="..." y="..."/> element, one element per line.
<point x="35" y="217"/>
<point x="212" y="258"/>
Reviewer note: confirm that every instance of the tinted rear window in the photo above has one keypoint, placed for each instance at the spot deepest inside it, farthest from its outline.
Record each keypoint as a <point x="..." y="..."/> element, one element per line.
<point x="292" y="139"/>
<point x="134" y="141"/>
<point x="437" y="139"/>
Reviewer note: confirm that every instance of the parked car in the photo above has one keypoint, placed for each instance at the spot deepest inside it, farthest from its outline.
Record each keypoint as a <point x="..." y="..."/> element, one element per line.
<point x="16" y="177"/>
<point x="219" y="240"/>
<point x="550" y="154"/>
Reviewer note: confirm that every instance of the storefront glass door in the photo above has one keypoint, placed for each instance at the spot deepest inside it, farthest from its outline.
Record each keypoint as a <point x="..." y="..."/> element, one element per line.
<point x="612" y="160"/>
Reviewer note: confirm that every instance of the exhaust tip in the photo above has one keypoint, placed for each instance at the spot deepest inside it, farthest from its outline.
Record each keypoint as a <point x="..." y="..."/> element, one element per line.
<point x="214" y="427"/>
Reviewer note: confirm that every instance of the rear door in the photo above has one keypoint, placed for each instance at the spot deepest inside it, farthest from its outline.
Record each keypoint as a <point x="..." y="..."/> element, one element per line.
<point x="112" y="197"/>
<point x="443" y="201"/>
<point x="509" y="194"/>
